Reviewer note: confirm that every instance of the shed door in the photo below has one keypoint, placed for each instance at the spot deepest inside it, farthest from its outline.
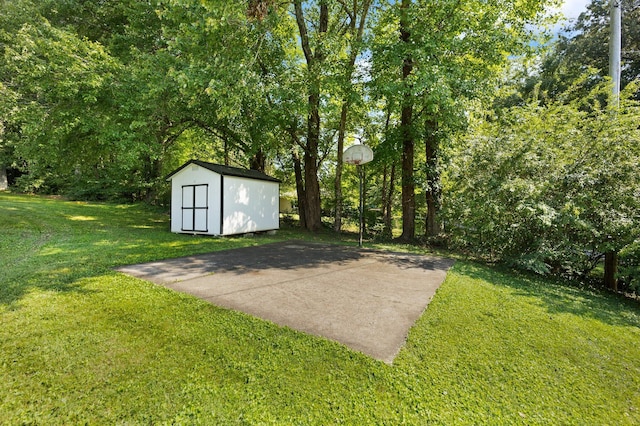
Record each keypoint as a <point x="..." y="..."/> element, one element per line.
<point x="195" y="208"/>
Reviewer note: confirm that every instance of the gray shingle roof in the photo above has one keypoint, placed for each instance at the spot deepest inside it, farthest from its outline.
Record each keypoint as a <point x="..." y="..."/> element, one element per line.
<point x="226" y="171"/>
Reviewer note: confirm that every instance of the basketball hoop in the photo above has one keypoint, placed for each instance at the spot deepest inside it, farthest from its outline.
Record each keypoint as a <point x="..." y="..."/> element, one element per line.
<point x="357" y="154"/>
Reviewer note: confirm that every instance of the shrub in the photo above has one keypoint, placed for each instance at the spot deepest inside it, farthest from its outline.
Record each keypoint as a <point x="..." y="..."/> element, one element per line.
<point x="547" y="188"/>
<point x="629" y="272"/>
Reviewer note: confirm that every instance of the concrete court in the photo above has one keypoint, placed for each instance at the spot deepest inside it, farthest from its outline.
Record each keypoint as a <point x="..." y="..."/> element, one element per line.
<point x="364" y="299"/>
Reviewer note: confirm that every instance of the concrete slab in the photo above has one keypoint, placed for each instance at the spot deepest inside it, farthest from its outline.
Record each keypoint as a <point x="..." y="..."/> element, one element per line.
<point x="362" y="298"/>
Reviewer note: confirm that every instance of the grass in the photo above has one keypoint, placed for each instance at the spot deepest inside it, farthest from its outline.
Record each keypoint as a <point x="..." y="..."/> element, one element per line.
<point x="80" y="343"/>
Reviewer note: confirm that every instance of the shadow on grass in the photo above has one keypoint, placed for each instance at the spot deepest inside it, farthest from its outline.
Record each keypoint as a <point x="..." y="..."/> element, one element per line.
<point x="561" y="297"/>
<point x="61" y="265"/>
<point x="50" y="245"/>
<point x="418" y="261"/>
<point x="14" y="290"/>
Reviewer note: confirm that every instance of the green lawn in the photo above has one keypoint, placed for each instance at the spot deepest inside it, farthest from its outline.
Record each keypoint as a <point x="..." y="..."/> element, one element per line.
<point x="81" y="343"/>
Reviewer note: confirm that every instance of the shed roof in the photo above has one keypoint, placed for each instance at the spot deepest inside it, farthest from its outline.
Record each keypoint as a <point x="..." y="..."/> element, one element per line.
<point x="226" y="171"/>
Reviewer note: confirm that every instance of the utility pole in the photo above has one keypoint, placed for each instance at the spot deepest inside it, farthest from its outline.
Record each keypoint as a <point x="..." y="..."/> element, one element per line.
<point x="615" y="47"/>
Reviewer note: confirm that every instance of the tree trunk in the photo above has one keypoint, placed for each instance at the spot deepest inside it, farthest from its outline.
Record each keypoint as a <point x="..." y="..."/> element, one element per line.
<point x="225" y="140"/>
<point x="388" y="181"/>
<point x="388" y="209"/>
<point x="337" y="220"/>
<point x="312" y="212"/>
<point x="610" y="270"/>
<point x="302" y="198"/>
<point x="406" y="122"/>
<point x="383" y="195"/>
<point x="432" y="192"/>
<point x="4" y="181"/>
<point x="258" y="161"/>
<point x="408" y="188"/>
<point x="432" y="225"/>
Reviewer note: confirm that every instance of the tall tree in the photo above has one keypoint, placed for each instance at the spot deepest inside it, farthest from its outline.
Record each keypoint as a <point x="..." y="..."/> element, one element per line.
<point x="447" y="53"/>
<point x="549" y="187"/>
<point x="76" y="63"/>
<point x="330" y="35"/>
<point x="406" y="127"/>
<point x="357" y="12"/>
<point x="65" y="106"/>
<point x="314" y="58"/>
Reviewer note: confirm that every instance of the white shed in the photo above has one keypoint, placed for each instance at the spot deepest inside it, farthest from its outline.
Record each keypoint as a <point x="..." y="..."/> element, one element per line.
<point x="213" y="199"/>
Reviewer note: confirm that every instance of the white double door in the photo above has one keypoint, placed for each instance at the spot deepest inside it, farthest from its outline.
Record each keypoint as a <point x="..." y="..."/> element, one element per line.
<point x="195" y="208"/>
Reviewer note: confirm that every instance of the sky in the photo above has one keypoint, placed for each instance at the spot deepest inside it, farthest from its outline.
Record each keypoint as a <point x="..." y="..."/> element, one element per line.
<point x="572" y="8"/>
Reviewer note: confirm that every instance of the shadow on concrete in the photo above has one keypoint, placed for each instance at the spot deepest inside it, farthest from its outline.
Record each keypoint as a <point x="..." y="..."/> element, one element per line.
<point x="287" y="255"/>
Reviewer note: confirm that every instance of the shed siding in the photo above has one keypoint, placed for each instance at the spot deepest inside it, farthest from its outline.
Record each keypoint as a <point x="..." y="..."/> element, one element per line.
<point x="249" y="205"/>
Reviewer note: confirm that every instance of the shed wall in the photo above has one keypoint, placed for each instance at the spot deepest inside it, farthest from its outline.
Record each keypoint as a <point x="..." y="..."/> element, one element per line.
<point x="249" y="205"/>
<point x="196" y="175"/>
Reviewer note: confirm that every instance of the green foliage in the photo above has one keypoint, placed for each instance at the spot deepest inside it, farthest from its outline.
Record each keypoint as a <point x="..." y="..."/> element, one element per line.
<point x="65" y="110"/>
<point x="456" y="51"/>
<point x="98" y="94"/>
<point x="548" y="188"/>
<point x="630" y="266"/>
<point x="101" y="99"/>
<point x="84" y="344"/>
<point x="68" y="118"/>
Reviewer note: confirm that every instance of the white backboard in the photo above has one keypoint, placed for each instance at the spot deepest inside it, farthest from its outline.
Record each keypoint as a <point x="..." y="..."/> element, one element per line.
<point x="357" y="154"/>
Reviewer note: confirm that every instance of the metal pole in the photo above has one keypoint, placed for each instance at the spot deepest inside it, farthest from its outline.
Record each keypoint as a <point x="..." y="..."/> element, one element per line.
<point x="361" y="231"/>
<point x="615" y="47"/>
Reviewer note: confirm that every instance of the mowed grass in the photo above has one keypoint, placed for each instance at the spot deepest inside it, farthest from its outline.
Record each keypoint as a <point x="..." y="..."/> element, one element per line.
<point x="80" y="343"/>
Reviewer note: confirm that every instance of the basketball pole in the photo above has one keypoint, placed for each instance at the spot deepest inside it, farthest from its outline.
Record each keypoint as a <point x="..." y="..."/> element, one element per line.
<point x="361" y="175"/>
<point x="359" y="155"/>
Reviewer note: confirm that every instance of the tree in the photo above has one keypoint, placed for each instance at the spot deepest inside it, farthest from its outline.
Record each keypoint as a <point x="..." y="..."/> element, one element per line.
<point x="176" y="69"/>
<point x="446" y="53"/>
<point x="314" y="59"/>
<point x="584" y="52"/>
<point x="357" y="14"/>
<point x="73" y="67"/>
<point x="331" y="36"/>
<point x="406" y="127"/>
<point x="64" y="86"/>
<point x="246" y="82"/>
<point x="548" y="187"/>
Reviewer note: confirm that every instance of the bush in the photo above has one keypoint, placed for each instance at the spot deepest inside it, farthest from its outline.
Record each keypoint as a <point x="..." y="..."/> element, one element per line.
<point x="629" y="272"/>
<point x="547" y="188"/>
<point x="30" y="184"/>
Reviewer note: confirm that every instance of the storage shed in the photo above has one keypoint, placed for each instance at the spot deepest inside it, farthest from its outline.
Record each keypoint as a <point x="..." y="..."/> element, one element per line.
<point x="213" y="199"/>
